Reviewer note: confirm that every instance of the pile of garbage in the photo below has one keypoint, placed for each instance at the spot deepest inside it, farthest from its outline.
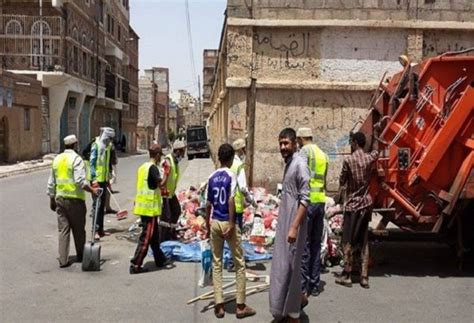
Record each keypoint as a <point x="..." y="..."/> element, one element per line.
<point x="258" y="227"/>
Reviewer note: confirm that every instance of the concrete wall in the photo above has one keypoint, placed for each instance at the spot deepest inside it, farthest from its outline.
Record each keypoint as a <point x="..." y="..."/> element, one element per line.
<point x="452" y="10"/>
<point x="316" y="64"/>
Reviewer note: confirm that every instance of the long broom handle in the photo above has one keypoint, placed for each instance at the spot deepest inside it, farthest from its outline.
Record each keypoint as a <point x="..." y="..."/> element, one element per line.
<point x="113" y="198"/>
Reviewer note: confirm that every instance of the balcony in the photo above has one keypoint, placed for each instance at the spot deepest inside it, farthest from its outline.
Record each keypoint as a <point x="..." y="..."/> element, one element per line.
<point x="31" y="43"/>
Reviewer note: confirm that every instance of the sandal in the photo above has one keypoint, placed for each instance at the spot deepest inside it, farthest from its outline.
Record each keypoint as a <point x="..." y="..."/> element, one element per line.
<point x="219" y="311"/>
<point x="246" y="312"/>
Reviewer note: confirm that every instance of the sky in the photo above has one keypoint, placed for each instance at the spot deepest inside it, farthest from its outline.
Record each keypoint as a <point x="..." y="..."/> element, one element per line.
<point x="161" y="26"/>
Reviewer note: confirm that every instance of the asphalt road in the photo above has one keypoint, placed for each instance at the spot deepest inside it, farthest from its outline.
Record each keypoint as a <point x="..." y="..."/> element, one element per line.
<point x="409" y="282"/>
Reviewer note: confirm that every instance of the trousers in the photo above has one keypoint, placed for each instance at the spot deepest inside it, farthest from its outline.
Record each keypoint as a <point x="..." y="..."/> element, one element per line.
<point x="71" y="216"/>
<point x="171" y="213"/>
<point x="217" y="242"/>
<point x="311" y="262"/>
<point x="355" y="235"/>
<point x="101" y="204"/>
<point x="148" y="238"/>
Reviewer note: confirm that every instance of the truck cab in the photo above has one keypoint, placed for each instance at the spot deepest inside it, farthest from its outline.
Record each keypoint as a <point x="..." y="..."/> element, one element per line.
<point x="197" y="143"/>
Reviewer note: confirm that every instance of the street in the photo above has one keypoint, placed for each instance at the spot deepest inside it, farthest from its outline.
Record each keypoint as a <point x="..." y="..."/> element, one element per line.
<point x="409" y="282"/>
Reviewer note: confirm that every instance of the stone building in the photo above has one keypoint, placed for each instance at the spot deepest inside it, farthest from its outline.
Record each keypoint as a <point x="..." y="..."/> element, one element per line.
<point x="315" y="64"/>
<point x="77" y="50"/>
<point x="209" y="72"/>
<point x="160" y="76"/>
<point x="130" y="115"/>
<point x="190" y="107"/>
<point x="20" y="117"/>
<point x="147" y="112"/>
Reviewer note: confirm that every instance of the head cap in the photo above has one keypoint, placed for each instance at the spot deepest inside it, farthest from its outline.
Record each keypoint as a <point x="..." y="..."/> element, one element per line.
<point x="69" y="140"/>
<point x="304" y="133"/>
<point x="108" y="132"/>
<point x="238" y="144"/>
<point x="178" y="144"/>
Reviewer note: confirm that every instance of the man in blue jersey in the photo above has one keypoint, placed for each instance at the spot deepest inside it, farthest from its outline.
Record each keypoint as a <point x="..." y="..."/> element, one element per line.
<point x="221" y="191"/>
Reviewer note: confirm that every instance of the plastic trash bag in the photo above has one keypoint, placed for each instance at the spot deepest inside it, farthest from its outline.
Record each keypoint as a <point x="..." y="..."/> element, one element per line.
<point x="206" y="263"/>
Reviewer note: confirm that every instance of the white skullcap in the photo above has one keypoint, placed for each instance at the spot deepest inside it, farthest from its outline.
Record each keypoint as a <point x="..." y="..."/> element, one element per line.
<point x="304" y="133"/>
<point x="178" y="144"/>
<point x="238" y="144"/>
<point x="69" y="140"/>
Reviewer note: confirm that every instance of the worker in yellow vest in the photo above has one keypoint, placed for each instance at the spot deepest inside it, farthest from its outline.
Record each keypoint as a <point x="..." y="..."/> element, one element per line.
<point x="318" y="165"/>
<point x="242" y="195"/>
<point x="66" y="188"/>
<point x="148" y="206"/>
<point x="170" y="171"/>
<point x="100" y="173"/>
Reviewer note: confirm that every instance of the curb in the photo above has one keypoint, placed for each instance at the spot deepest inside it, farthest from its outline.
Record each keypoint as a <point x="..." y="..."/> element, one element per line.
<point x="24" y="171"/>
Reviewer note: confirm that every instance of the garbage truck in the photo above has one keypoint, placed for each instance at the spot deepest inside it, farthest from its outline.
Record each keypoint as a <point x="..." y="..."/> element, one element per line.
<point x="422" y="120"/>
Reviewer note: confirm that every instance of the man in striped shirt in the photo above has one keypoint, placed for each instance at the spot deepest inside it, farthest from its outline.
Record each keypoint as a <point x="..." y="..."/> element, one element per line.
<point x="355" y="177"/>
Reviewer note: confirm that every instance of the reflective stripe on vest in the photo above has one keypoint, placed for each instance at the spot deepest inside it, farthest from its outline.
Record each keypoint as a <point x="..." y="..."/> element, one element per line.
<point x="147" y="202"/>
<point x="317" y="162"/>
<point x="102" y="162"/>
<point x="63" y="168"/>
<point x="239" y="198"/>
<point x="173" y="177"/>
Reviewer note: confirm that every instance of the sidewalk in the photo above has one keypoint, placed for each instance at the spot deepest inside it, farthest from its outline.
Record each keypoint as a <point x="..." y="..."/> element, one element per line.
<point x="29" y="166"/>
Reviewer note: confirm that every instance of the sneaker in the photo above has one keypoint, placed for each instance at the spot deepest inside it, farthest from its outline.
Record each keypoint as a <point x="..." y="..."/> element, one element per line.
<point x="364" y="282"/>
<point x="245" y="312"/>
<point x="315" y="292"/>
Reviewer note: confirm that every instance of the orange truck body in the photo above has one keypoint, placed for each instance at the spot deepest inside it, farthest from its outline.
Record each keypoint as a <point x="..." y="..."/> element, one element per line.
<point x="422" y="119"/>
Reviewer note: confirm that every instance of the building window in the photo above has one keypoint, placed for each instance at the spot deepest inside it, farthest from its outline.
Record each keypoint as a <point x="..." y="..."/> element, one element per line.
<point x="75" y="57"/>
<point x="92" y="67"/>
<point x="41" y="28"/>
<point x="101" y="11"/>
<point x="13" y="27"/>
<point x="75" y="34"/>
<point x="84" y="63"/>
<point x="119" y="34"/>
<point x="84" y="40"/>
<point x="27" y="119"/>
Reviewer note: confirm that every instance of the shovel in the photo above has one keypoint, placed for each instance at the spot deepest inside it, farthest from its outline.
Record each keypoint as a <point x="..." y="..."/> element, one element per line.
<point x="121" y="214"/>
<point x="91" y="254"/>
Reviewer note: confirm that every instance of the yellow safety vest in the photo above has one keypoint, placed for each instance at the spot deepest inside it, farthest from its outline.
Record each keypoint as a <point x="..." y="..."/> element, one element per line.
<point x="239" y="198"/>
<point x="63" y="168"/>
<point x="317" y="163"/>
<point x="102" y="163"/>
<point x="87" y="163"/>
<point x="147" y="202"/>
<point x="173" y="177"/>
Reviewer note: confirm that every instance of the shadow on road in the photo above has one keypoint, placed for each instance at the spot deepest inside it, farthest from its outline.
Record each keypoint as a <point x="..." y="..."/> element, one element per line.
<point x="416" y="259"/>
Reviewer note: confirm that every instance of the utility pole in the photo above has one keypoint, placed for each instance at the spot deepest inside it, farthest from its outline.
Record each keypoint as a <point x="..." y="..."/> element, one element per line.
<point x="41" y="60"/>
<point x="199" y="99"/>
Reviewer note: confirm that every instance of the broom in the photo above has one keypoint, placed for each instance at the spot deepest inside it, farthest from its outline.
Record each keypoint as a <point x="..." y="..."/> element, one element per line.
<point x="121" y="214"/>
